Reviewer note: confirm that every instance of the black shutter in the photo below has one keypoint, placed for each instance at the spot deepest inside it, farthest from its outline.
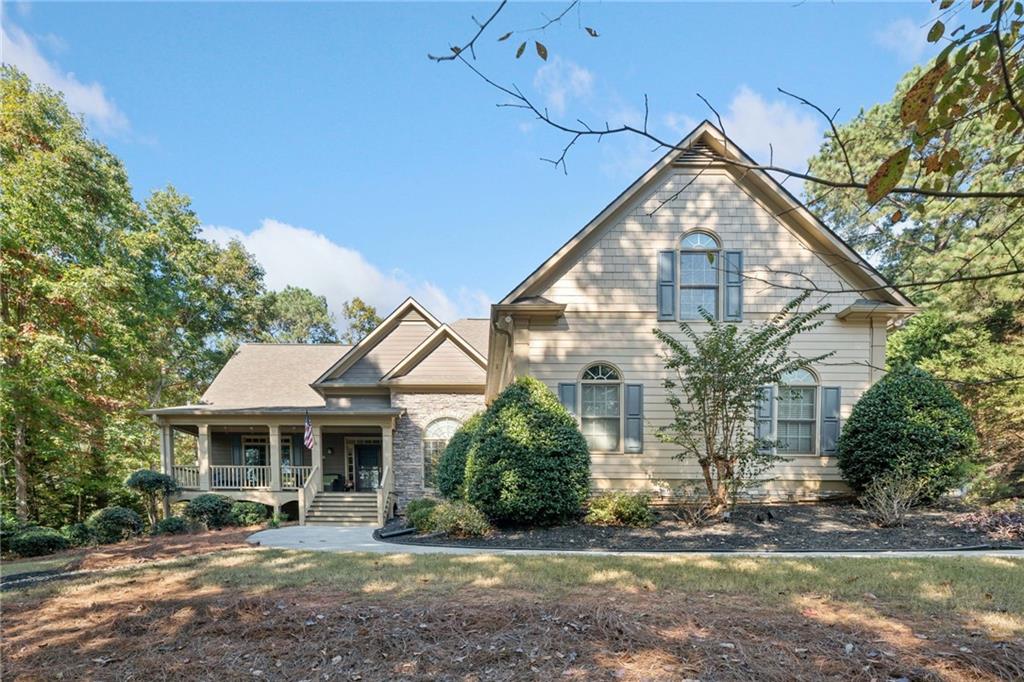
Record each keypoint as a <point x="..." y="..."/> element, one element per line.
<point x="733" y="286"/>
<point x="831" y="397"/>
<point x="634" y="417"/>
<point x="567" y="396"/>
<point x="666" y="285"/>
<point x="764" y="417"/>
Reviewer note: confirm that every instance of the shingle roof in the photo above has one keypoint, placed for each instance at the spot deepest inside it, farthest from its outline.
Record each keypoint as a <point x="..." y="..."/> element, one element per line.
<point x="273" y="375"/>
<point x="475" y="330"/>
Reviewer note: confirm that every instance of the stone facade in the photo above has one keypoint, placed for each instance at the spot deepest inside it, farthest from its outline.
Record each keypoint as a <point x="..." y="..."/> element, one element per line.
<point x="420" y="410"/>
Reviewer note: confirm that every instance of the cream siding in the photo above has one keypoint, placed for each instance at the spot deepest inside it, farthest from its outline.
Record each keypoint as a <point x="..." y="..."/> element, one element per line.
<point x="381" y="358"/>
<point x="445" y="364"/>
<point x="610" y="294"/>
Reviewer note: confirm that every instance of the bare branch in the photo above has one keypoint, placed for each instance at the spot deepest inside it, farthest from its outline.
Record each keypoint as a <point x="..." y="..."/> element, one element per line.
<point x="832" y="123"/>
<point x="457" y="51"/>
<point x="1004" y="69"/>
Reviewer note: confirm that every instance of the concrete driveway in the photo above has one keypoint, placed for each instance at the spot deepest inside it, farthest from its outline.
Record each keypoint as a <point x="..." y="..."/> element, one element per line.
<point x="360" y="539"/>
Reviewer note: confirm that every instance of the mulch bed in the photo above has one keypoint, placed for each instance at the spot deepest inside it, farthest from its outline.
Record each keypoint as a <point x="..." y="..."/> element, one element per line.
<point x="792" y="527"/>
<point x="158" y="627"/>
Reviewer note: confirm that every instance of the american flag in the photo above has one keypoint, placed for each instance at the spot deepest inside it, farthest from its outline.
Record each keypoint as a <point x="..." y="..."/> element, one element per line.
<point x="307" y="437"/>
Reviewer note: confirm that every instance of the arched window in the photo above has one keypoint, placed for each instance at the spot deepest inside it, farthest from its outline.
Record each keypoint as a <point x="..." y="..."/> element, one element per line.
<point x="797" y="416"/>
<point x="601" y="407"/>
<point x="435" y="440"/>
<point x="699" y="265"/>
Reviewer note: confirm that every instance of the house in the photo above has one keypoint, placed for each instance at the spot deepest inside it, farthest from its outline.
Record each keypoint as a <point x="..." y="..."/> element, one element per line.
<point x="687" y="234"/>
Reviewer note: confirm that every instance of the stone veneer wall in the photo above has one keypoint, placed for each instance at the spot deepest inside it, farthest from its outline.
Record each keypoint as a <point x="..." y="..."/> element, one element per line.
<point x="420" y="410"/>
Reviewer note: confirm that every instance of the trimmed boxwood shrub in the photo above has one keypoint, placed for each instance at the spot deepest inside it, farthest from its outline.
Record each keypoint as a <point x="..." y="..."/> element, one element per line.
<point x="38" y="541"/>
<point x="911" y="423"/>
<point x="172" y="525"/>
<point x="529" y="463"/>
<point x="458" y="519"/>
<point x="113" y="524"/>
<point x="621" y="509"/>
<point x="248" y="513"/>
<point x="451" y="470"/>
<point x="417" y="513"/>
<point x="77" y="534"/>
<point x="210" y="509"/>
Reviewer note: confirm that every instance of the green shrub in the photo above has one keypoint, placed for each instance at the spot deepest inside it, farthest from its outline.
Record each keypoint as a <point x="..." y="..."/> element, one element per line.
<point x="38" y="541"/>
<point x="172" y="525"/>
<point x="418" y="512"/>
<point x="113" y="524"/>
<point x="911" y="423"/>
<point x="529" y="463"/>
<point x="277" y="519"/>
<point x="458" y="519"/>
<point x="153" y="486"/>
<point x="451" y="470"/>
<point x="77" y="534"/>
<point x="211" y="510"/>
<point x="9" y="527"/>
<point x="621" y="509"/>
<point x="248" y="513"/>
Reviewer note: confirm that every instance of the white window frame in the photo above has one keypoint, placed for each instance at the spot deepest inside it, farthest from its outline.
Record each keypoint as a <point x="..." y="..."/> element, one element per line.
<point x="262" y="441"/>
<point x="716" y="263"/>
<point x="582" y="382"/>
<point x="423" y="448"/>
<point x="815" y="386"/>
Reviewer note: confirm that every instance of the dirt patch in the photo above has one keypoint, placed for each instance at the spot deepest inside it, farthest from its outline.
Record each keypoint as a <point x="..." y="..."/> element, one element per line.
<point x="794" y="527"/>
<point x="163" y="624"/>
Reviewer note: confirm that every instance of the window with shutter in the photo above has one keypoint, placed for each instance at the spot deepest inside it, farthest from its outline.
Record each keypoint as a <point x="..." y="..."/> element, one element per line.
<point x="797" y="418"/>
<point x="601" y="407"/>
<point x="634" y="418"/>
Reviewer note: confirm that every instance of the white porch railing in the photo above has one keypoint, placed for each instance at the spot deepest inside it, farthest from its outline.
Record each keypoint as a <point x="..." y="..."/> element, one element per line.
<point x="186" y="476"/>
<point x="307" y="493"/>
<point x="385" y="494"/>
<point x="239" y="477"/>
<point x="294" y="476"/>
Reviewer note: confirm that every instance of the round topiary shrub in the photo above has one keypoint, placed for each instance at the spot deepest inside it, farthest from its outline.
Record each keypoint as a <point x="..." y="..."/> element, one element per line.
<point x="213" y="511"/>
<point x="451" y="470"/>
<point x="248" y="513"/>
<point x="38" y="541"/>
<point x="153" y="486"/>
<point x="113" y="524"/>
<point x="529" y="463"/>
<point x="77" y="534"/>
<point x="172" y="525"/>
<point x="910" y="423"/>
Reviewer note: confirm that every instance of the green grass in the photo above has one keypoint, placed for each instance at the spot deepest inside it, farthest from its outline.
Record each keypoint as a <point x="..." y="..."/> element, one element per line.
<point x="930" y="585"/>
<point x="8" y="568"/>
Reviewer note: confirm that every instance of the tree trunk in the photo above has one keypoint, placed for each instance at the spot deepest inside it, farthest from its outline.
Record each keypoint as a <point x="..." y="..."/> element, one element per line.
<point x="166" y="506"/>
<point x="20" y="470"/>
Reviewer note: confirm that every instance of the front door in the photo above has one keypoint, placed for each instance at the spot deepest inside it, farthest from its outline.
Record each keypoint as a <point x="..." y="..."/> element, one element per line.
<point x="368" y="466"/>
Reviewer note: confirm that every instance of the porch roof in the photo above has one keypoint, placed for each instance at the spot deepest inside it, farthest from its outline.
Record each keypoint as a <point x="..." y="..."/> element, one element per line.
<point x="211" y="410"/>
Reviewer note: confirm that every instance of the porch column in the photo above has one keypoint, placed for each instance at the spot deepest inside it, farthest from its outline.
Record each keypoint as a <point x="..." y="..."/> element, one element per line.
<point x="275" y="456"/>
<point x="317" y="458"/>
<point x="203" y="453"/>
<point x="387" y="448"/>
<point x="166" y="455"/>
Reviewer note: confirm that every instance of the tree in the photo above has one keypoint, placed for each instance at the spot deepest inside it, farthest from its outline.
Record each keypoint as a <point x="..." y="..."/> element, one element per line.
<point x="361" y="319"/>
<point x="153" y="486"/>
<point x="715" y="381"/>
<point x="297" y="315"/>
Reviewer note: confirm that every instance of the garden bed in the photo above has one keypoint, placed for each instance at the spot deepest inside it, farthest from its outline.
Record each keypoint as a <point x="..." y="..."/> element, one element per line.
<point x="783" y="527"/>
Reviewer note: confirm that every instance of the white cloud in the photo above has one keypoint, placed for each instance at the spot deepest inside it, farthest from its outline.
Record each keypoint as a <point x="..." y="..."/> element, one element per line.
<point x="301" y="257"/>
<point x="754" y="123"/>
<point x="905" y="37"/>
<point x="89" y="99"/>
<point x="560" y="81"/>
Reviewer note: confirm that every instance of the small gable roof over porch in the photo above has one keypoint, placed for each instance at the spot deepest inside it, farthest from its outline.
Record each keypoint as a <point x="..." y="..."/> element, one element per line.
<point x="444" y="358"/>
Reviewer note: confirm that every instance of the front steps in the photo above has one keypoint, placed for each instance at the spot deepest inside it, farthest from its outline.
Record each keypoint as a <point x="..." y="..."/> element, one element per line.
<point x="343" y="509"/>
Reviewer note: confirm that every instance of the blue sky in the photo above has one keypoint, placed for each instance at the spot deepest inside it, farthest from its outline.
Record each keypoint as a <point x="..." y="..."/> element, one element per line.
<point x="322" y="136"/>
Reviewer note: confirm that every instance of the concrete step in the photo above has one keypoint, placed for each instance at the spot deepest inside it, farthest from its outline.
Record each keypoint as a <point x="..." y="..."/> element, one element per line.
<point x="338" y="518"/>
<point x="347" y="522"/>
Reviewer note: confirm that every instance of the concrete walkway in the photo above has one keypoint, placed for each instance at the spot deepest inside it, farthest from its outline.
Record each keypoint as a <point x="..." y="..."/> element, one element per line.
<point x="360" y="539"/>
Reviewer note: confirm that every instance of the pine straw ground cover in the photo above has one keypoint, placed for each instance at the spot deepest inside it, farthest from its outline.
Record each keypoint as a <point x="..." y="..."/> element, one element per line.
<point x="270" y="614"/>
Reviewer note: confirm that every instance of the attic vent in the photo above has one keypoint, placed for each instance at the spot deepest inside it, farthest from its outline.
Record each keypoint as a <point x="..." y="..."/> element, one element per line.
<point x="697" y="152"/>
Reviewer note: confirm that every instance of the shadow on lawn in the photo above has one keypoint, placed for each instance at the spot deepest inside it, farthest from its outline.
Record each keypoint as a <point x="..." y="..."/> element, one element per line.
<point x="293" y="615"/>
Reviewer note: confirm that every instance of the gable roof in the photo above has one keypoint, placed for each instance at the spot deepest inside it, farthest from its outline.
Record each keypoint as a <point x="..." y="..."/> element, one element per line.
<point x="708" y="136"/>
<point x="373" y="339"/>
<point x="272" y="375"/>
<point x="454" y="373"/>
<point x="475" y="330"/>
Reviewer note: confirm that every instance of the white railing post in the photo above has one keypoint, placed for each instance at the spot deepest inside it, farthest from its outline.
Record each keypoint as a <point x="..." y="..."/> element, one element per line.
<point x="307" y="493"/>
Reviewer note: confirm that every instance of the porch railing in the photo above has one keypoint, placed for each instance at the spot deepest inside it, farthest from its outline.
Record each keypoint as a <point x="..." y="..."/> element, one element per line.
<point x="294" y="477"/>
<point x="385" y="495"/>
<point x="307" y="493"/>
<point x="239" y="477"/>
<point x="186" y="476"/>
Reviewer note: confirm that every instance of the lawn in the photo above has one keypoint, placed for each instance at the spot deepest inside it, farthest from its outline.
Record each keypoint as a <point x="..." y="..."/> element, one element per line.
<point x="271" y="614"/>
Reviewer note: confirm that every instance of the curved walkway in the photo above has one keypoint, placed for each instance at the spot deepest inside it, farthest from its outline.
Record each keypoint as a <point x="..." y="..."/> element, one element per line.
<point x="360" y="539"/>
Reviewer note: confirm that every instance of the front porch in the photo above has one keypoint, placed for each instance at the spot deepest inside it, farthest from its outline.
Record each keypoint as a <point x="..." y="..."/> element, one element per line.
<point x="266" y="461"/>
